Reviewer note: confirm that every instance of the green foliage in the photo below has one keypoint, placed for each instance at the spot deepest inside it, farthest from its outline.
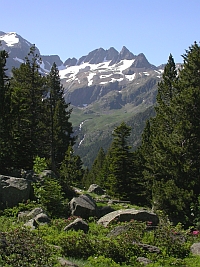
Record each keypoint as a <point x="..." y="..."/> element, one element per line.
<point x="26" y="248"/>
<point x="49" y="194"/>
<point x="58" y="114"/>
<point x="101" y="261"/>
<point x="40" y="164"/>
<point x="170" y="150"/>
<point x="27" y="109"/>
<point x="95" y="174"/>
<point x="7" y="223"/>
<point x="5" y="152"/>
<point x="173" y="241"/>
<point x="119" y="164"/>
<point x="13" y="212"/>
<point x="71" y="170"/>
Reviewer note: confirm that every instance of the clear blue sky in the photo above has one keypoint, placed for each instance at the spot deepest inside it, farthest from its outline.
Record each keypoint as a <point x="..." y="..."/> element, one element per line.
<point x="73" y="28"/>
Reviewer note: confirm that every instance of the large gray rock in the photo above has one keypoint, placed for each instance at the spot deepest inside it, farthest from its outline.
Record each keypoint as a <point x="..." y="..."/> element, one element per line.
<point x="83" y="206"/>
<point x="101" y="211"/>
<point x="32" y="224"/>
<point x="14" y="190"/>
<point x="129" y="214"/>
<point x="78" y="224"/>
<point x="64" y="262"/>
<point x="195" y="248"/>
<point x="33" y="213"/>
<point x="42" y="218"/>
<point x="94" y="188"/>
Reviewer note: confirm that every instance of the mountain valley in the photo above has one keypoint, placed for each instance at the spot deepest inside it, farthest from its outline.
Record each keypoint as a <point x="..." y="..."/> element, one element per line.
<point x="104" y="88"/>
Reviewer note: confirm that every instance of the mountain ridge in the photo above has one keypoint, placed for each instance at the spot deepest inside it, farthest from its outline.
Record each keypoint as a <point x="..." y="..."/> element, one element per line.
<point x="104" y="88"/>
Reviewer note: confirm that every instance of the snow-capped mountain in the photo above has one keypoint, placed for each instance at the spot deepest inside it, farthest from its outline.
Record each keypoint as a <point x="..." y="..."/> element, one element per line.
<point x="92" y="76"/>
<point x="99" y="66"/>
<point x="18" y="48"/>
<point x="104" y="87"/>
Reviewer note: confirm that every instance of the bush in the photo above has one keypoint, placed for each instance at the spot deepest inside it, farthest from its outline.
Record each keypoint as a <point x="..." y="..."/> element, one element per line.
<point x="173" y="241"/>
<point x="49" y="194"/>
<point x="25" y="248"/>
<point x="101" y="261"/>
<point x="76" y="244"/>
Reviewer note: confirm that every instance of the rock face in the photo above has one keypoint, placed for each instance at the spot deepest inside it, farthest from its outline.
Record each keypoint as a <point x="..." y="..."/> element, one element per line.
<point x="195" y="248"/>
<point x="14" y="190"/>
<point x="94" y="188"/>
<point x="64" y="262"/>
<point x="78" y="224"/>
<point x="129" y="214"/>
<point x="83" y="206"/>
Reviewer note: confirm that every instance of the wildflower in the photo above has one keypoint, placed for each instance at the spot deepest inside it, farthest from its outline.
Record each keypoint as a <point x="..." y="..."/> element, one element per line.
<point x="195" y="232"/>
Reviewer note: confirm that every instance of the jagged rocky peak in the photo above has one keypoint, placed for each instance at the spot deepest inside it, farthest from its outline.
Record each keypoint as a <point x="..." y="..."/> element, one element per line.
<point x="81" y="60"/>
<point x="111" y="53"/>
<point x="70" y="62"/>
<point x="50" y="59"/>
<point x="141" y="62"/>
<point x="126" y="54"/>
<point x="96" y="56"/>
<point x="101" y="55"/>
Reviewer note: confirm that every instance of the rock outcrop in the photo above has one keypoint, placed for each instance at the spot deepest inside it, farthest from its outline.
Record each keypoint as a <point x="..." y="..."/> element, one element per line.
<point x="129" y="214"/>
<point x="14" y="190"/>
<point x="83" y="206"/>
<point x="77" y="224"/>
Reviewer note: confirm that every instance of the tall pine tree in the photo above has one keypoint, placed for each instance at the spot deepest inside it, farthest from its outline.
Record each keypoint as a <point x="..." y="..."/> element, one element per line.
<point x="120" y="169"/>
<point x="173" y="164"/>
<point x="60" y="128"/>
<point x="27" y="109"/>
<point x="5" y="149"/>
<point x="95" y="174"/>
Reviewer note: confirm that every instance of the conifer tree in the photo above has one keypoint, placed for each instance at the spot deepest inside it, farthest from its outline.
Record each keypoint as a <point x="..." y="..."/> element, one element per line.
<point x="27" y="110"/>
<point x="121" y="163"/>
<point x="173" y="167"/>
<point x="71" y="170"/>
<point x="60" y="128"/>
<point x="95" y="174"/>
<point x="4" y="114"/>
<point x="187" y="106"/>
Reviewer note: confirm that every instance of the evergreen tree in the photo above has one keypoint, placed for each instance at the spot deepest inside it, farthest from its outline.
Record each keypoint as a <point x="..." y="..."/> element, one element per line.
<point x="121" y="163"/>
<point x="187" y="138"/>
<point x="172" y="166"/>
<point x="155" y="151"/>
<point x="94" y="176"/>
<point x="143" y="163"/>
<point x="4" y="114"/>
<point x="27" y="110"/>
<point x="71" y="170"/>
<point x="60" y="128"/>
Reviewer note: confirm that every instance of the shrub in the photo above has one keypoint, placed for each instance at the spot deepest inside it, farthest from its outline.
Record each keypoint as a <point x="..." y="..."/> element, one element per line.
<point x="76" y="244"/>
<point x="101" y="261"/>
<point x="173" y="241"/>
<point x="40" y="164"/>
<point x="25" y="248"/>
<point x="49" y="194"/>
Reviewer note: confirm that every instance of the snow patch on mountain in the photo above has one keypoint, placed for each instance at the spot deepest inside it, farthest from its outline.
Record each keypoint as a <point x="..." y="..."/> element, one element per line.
<point x="10" y="38"/>
<point x="130" y="77"/>
<point x="104" y="69"/>
<point x="19" y="59"/>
